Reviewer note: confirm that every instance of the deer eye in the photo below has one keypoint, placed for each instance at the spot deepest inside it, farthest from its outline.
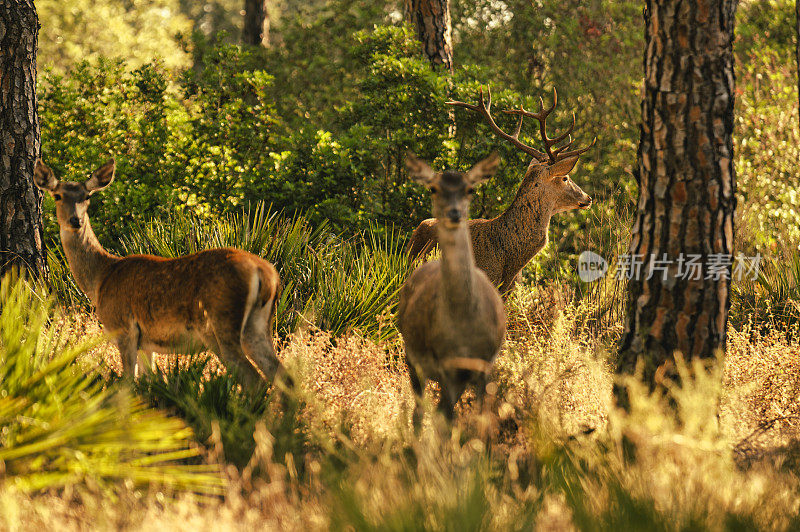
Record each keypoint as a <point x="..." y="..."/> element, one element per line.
<point x="57" y="197"/>
<point x="565" y="179"/>
<point x="470" y="190"/>
<point x="434" y="189"/>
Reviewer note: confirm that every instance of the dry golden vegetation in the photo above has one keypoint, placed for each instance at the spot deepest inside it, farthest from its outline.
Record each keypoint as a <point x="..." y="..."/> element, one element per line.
<point x="720" y="451"/>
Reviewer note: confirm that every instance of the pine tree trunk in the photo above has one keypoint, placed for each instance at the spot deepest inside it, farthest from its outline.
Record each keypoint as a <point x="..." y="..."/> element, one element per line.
<point x="256" y="23"/>
<point x="21" y="233"/>
<point x="431" y="19"/>
<point x="686" y="185"/>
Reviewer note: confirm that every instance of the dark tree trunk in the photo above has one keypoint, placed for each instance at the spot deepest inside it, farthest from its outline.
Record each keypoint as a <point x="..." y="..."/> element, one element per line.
<point x="20" y="201"/>
<point x="431" y="19"/>
<point x="686" y="185"/>
<point x="256" y="23"/>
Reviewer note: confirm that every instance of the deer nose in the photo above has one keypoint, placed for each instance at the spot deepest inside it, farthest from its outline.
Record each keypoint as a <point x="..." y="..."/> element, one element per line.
<point x="75" y="222"/>
<point x="454" y="215"/>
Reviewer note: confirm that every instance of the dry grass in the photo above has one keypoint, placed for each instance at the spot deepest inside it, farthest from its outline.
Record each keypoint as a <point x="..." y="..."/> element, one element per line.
<point x="729" y="452"/>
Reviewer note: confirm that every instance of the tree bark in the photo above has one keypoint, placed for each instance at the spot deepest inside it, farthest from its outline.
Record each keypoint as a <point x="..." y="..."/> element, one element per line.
<point x="431" y="19"/>
<point x="686" y="186"/>
<point x="797" y="49"/>
<point x="21" y="234"/>
<point x="256" y="23"/>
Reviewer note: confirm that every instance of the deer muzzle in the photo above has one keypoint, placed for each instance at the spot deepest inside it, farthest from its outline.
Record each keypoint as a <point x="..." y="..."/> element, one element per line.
<point x="454" y="216"/>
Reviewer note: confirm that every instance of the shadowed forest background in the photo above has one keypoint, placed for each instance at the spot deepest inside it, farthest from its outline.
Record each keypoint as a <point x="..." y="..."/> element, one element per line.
<point x="294" y="151"/>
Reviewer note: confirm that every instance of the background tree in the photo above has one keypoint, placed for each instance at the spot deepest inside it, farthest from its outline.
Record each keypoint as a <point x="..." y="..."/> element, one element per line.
<point x="256" y="23"/>
<point x="20" y="203"/>
<point x="138" y="32"/>
<point x="686" y="185"/>
<point x="431" y="19"/>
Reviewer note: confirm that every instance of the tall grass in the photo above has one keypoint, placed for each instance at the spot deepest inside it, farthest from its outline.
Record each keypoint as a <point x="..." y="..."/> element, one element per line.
<point x="61" y="424"/>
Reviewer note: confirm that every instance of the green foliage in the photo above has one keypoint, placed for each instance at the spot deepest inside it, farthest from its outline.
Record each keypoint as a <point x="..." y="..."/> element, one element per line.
<point x="59" y="422"/>
<point x="358" y="283"/>
<point x="224" y="146"/>
<point x="772" y="300"/>
<point x="767" y="135"/>
<point x="105" y="110"/>
<point x="135" y="31"/>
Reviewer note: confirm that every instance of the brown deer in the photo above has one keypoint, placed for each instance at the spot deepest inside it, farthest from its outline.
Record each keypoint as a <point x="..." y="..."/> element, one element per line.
<point x="220" y="299"/>
<point x="450" y="315"/>
<point x="506" y="243"/>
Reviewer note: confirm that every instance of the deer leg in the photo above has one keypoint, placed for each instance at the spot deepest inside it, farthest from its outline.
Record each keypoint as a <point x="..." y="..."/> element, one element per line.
<point x="144" y="362"/>
<point x="417" y="388"/>
<point x="235" y="362"/>
<point x="447" y="400"/>
<point x="257" y="343"/>
<point x="452" y="388"/>
<point x="128" y="345"/>
<point x="509" y="282"/>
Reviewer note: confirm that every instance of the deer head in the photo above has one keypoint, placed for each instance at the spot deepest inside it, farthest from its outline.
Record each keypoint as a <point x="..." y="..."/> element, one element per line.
<point x="451" y="191"/>
<point x="72" y="199"/>
<point x="549" y="170"/>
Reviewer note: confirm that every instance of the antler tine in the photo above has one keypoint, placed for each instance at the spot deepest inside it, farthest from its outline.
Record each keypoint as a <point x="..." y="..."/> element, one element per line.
<point x="566" y="134"/>
<point x="578" y="151"/>
<point x="483" y="108"/>
<point x="559" y="153"/>
<point x="562" y="148"/>
<point x="518" y="129"/>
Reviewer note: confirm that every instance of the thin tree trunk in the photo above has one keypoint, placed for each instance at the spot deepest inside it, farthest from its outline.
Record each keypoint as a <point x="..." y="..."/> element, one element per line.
<point x="431" y="19"/>
<point x="256" y="23"/>
<point x="21" y="233"/>
<point x="686" y="186"/>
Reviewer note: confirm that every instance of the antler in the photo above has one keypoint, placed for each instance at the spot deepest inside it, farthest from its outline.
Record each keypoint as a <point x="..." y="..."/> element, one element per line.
<point x="483" y="108"/>
<point x="559" y="153"/>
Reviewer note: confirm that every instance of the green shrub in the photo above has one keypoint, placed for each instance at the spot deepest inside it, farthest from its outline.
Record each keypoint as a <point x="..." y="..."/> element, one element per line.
<point x="772" y="300"/>
<point x="208" y="402"/>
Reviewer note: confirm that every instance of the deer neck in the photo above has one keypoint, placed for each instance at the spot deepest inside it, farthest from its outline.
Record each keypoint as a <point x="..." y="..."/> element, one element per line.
<point x="457" y="267"/>
<point x="523" y="228"/>
<point x="87" y="259"/>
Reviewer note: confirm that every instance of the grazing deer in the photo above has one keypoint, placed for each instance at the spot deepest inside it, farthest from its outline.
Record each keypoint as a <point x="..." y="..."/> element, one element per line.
<point x="220" y="299"/>
<point x="506" y="243"/>
<point x="450" y="315"/>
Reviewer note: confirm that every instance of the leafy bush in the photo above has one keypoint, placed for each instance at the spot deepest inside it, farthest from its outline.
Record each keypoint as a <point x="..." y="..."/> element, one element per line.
<point x="61" y="423"/>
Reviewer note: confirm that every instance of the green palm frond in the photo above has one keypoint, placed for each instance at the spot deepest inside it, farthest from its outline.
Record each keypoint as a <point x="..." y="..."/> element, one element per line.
<point x="60" y="423"/>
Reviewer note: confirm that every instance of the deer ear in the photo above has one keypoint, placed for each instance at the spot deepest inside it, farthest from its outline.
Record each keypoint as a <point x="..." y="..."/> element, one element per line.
<point x="102" y="177"/>
<point x="419" y="170"/>
<point x="43" y="177"/>
<point x="562" y="168"/>
<point x="484" y="169"/>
